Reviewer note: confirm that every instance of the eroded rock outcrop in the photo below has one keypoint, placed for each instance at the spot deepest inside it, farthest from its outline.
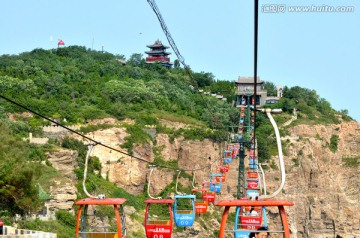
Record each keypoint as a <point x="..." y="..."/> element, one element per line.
<point x="324" y="190"/>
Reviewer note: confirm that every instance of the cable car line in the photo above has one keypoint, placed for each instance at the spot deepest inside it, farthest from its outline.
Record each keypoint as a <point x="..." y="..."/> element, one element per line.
<point x="152" y="167"/>
<point x="171" y="41"/>
<point x="256" y="23"/>
<point x="97" y="142"/>
<point x="90" y="148"/>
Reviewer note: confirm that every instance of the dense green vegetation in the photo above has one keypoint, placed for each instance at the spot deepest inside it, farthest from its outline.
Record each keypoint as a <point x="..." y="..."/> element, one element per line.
<point x="75" y="85"/>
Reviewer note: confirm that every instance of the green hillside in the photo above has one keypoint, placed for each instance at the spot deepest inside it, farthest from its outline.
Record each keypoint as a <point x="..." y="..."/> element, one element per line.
<point x="75" y="84"/>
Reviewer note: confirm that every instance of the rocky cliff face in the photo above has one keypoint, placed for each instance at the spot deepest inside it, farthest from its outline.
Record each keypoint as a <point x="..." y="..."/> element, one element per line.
<point x="325" y="191"/>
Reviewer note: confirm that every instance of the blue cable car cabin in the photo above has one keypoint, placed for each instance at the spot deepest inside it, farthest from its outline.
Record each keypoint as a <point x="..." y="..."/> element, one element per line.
<point x="252" y="193"/>
<point x="184" y="210"/>
<point x="253" y="162"/>
<point x="217" y="186"/>
<point x="227" y="156"/>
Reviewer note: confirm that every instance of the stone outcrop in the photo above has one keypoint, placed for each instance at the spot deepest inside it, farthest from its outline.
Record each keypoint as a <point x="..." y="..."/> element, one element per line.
<point x="326" y="193"/>
<point x="64" y="161"/>
<point x="63" y="190"/>
<point x="324" y="190"/>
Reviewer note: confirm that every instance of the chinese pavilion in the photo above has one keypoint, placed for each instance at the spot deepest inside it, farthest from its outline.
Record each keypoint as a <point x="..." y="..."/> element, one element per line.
<point x="158" y="54"/>
<point x="245" y="91"/>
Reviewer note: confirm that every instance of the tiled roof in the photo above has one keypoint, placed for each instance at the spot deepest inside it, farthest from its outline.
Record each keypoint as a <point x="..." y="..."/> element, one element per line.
<point x="248" y="80"/>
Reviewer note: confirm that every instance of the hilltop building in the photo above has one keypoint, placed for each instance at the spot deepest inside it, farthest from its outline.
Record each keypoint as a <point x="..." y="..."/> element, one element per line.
<point x="245" y="91"/>
<point x="158" y="54"/>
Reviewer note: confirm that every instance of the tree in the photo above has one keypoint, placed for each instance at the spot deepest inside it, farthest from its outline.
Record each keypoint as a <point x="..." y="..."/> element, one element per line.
<point x="136" y="60"/>
<point x="18" y="193"/>
<point x="203" y="79"/>
<point x="176" y="64"/>
<point x="270" y="88"/>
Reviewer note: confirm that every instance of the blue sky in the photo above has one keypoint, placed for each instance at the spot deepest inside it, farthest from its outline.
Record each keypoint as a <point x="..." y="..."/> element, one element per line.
<point x="315" y="50"/>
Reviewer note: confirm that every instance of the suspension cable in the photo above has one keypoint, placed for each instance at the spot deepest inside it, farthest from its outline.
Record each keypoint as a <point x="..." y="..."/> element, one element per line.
<point x="193" y="180"/>
<point x="94" y="141"/>
<point x="90" y="147"/>
<point x="181" y="59"/>
<point x="152" y="167"/>
<point x="176" y="186"/>
<point x="256" y="17"/>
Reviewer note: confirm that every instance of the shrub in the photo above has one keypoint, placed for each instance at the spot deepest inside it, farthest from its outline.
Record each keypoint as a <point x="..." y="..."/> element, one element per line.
<point x="334" y="140"/>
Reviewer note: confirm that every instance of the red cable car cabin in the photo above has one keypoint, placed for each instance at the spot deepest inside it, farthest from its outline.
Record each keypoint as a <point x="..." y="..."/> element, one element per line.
<point x="258" y="203"/>
<point x="207" y="195"/>
<point x="85" y="229"/>
<point x="155" y="226"/>
<point x="224" y="168"/>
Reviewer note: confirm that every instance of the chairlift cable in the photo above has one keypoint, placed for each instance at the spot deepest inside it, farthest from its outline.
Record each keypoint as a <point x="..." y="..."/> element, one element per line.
<point x="171" y="41"/>
<point x="90" y="148"/>
<point x="152" y="167"/>
<point x="94" y="141"/>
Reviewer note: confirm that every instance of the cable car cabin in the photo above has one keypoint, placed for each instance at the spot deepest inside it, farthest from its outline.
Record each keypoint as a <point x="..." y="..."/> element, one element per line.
<point x="252" y="152"/>
<point x="201" y="205"/>
<point x="207" y="195"/>
<point x="252" y="184"/>
<point x="252" y="193"/>
<point x="253" y="163"/>
<point x="217" y="186"/>
<point x="92" y="210"/>
<point x="252" y="174"/>
<point x="230" y="146"/>
<point x="242" y="229"/>
<point x="156" y="224"/>
<point x="224" y="168"/>
<point x="227" y="154"/>
<point x="227" y="160"/>
<point x="184" y="210"/>
<point x="249" y="218"/>
<point x="221" y="178"/>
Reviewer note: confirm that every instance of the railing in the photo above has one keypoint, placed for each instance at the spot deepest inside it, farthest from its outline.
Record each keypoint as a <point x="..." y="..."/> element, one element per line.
<point x="12" y="232"/>
<point x="163" y="59"/>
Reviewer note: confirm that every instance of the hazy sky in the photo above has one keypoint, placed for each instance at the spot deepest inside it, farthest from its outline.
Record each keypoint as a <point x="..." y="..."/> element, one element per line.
<point x="318" y="50"/>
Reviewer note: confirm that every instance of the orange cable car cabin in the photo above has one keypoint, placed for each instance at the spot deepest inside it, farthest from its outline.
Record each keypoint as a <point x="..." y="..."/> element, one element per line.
<point x="87" y="223"/>
<point x="255" y="203"/>
<point x="201" y="205"/>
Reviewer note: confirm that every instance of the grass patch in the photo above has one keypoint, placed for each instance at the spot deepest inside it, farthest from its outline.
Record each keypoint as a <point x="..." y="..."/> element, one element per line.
<point x="351" y="162"/>
<point x="296" y="162"/>
<point x="136" y="136"/>
<point x="91" y="128"/>
<point x="177" y="118"/>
